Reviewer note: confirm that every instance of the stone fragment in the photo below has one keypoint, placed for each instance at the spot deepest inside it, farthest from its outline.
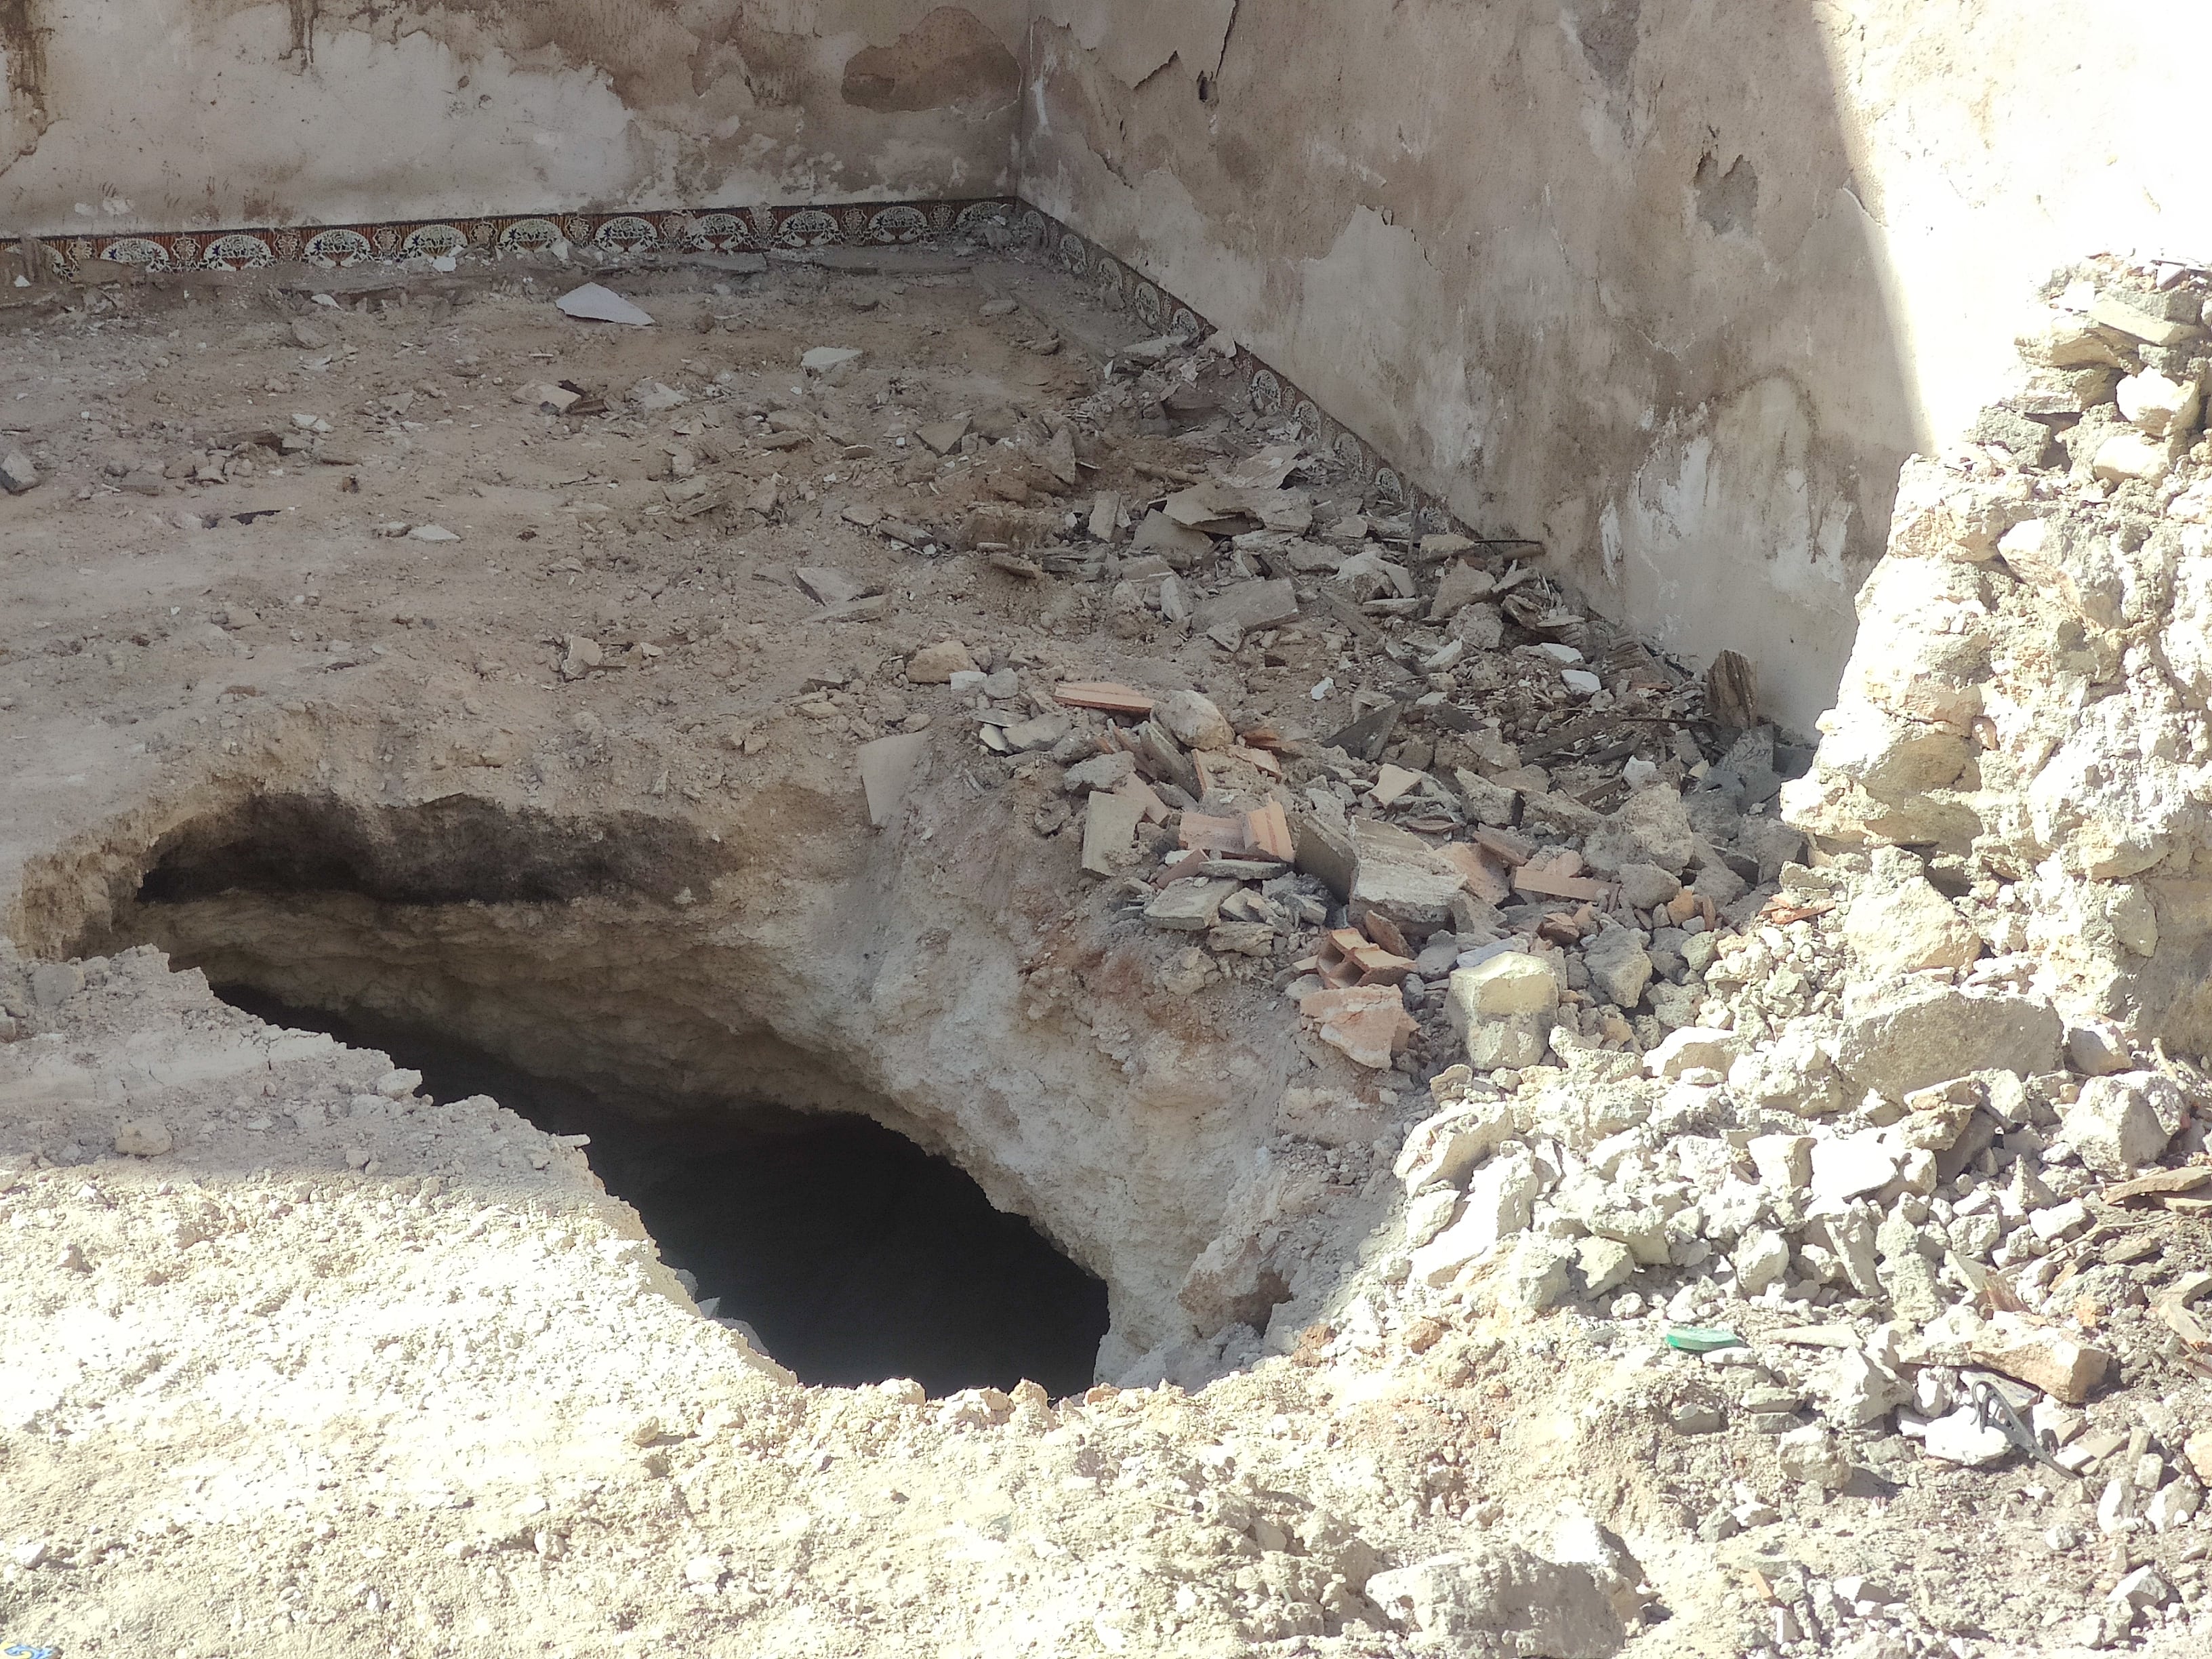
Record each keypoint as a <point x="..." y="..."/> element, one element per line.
<point x="1692" y="1047"/>
<point x="2112" y="312"/>
<point x="2197" y="1450"/>
<point x="53" y="983"/>
<point x="1579" y="1541"/>
<point x="1369" y="1025"/>
<point x="1652" y="827"/>
<point x="1534" y="1275"/>
<point x="1459" y="587"/>
<point x="1812" y="1455"/>
<point x="144" y="1137"/>
<point x="1500" y="1202"/>
<point x="1099" y="772"/>
<point x="1397" y="876"/>
<point x="1246" y="605"/>
<point x="1499" y="1601"/>
<point x="593" y="303"/>
<point x="16" y="472"/>
<point x="1907" y="1035"/>
<point x="2158" y="404"/>
<point x="942" y="437"/>
<point x="1785" y="1162"/>
<point x="1429" y="1215"/>
<point x="1178" y="544"/>
<point x="1854" y="1391"/>
<point x="1189" y="906"/>
<point x="2040" y="1356"/>
<point x="1899" y="924"/>
<point x="826" y="360"/>
<point x="1194" y="720"/>
<point x="2124" y="1120"/>
<point x="2097" y="1048"/>
<point x="1646" y="886"/>
<point x="1604" y="1264"/>
<point x="1443" y="1148"/>
<point x="2174" y="1504"/>
<point x="1762" y="1259"/>
<point x="887" y="771"/>
<point x="1508" y="984"/>
<point x="1843" y="1166"/>
<point x="1619" y="967"/>
<point x="936" y="665"/>
<point x="2126" y="457"/>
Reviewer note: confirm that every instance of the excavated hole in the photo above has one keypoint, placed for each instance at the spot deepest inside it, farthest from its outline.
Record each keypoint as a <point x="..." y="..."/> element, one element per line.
<point x="855" y="1255"/>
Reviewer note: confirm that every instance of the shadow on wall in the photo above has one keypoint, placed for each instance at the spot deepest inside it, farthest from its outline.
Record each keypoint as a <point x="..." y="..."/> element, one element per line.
<point x="1599" y="271"/>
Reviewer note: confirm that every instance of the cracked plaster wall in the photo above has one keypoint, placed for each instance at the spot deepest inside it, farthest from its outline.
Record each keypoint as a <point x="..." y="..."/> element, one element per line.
<point x="189" y="114"/>
<point x="1675" y="287"/>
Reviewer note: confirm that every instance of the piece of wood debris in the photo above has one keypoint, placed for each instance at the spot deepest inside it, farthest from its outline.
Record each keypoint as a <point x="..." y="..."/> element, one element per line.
<point x="1105" y="695"/>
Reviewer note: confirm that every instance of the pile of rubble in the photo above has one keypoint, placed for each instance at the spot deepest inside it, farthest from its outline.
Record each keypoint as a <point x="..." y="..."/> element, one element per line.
<point x="1883" y="1128"/>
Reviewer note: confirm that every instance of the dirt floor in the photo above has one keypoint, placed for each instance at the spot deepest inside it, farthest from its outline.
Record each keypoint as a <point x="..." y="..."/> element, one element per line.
<point x="430" y="656"/>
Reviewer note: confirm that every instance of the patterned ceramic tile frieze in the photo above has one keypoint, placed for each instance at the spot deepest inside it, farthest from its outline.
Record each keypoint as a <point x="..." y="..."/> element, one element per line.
<point x="1004" y="222"/>
<point x="712" y="230"/>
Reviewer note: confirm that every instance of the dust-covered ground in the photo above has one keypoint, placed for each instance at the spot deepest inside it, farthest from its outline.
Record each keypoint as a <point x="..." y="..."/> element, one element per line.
<point x="428" y="655"/>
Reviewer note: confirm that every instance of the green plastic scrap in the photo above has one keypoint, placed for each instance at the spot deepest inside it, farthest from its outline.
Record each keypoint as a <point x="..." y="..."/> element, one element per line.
<point x="1698" y="1339"/>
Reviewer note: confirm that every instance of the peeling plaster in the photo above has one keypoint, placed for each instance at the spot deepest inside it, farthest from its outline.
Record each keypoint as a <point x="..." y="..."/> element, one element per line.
<point x="1134" y="39"/>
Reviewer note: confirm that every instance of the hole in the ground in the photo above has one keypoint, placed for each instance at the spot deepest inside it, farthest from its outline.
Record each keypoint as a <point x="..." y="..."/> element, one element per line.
<point x="853" y="1254"/>
<point x="460" y="941"/>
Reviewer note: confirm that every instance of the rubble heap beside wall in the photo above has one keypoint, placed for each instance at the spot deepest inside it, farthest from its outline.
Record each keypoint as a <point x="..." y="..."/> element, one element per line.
<point x="2027" y="704"/>
<point x="1675" y="289"/>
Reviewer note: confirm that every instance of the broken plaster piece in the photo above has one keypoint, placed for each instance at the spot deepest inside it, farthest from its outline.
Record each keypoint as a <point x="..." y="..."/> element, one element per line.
<point x="594" y="304"/>
<point x="887" y="771"/>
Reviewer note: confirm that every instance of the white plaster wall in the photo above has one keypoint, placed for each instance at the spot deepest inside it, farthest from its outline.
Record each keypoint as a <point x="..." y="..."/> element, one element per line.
<point x="186" y="114"/>
<point x="1499" y="238"/>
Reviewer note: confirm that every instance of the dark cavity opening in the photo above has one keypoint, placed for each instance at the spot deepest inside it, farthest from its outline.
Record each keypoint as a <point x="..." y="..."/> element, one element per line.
<point x="853" y="1254"/>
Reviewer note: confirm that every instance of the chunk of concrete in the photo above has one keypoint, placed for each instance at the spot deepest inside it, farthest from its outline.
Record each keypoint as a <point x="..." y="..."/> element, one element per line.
<point x="887" y="769"/>
<point x="1693" y="1048"/>
<point x="1396" y="874"/>
<point x="1844" y="1166"/>
<point x="1900" y="924"/>
<point x="1109" y="830"/>
<point x="144" y="1137"/>
<point x="1246" y="605"/>
<point x="1905" y="1037"/>
<point x="1619" y="967"/>
<point x="2124" y="1120"/>
<point x="1499" y="1601"/>
<point x="1508" y="984"/>
<point x="1501" y="1199"/>
<point x="1446" y="1147"/>
<point x="936" y="665"/>
<point x="1194" y="720"/>
<point x="2040" y="1356"/>
<point x="16" y="472"/>
<point x="2158" y="404"/>
<point x="827" y="359"/>
<point x="1189" y="906"/>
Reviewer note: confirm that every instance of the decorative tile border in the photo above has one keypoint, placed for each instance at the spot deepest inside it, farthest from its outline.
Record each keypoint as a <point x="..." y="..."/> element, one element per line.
<point x="1020" y="228"/>
<point x="713" y="230"/>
